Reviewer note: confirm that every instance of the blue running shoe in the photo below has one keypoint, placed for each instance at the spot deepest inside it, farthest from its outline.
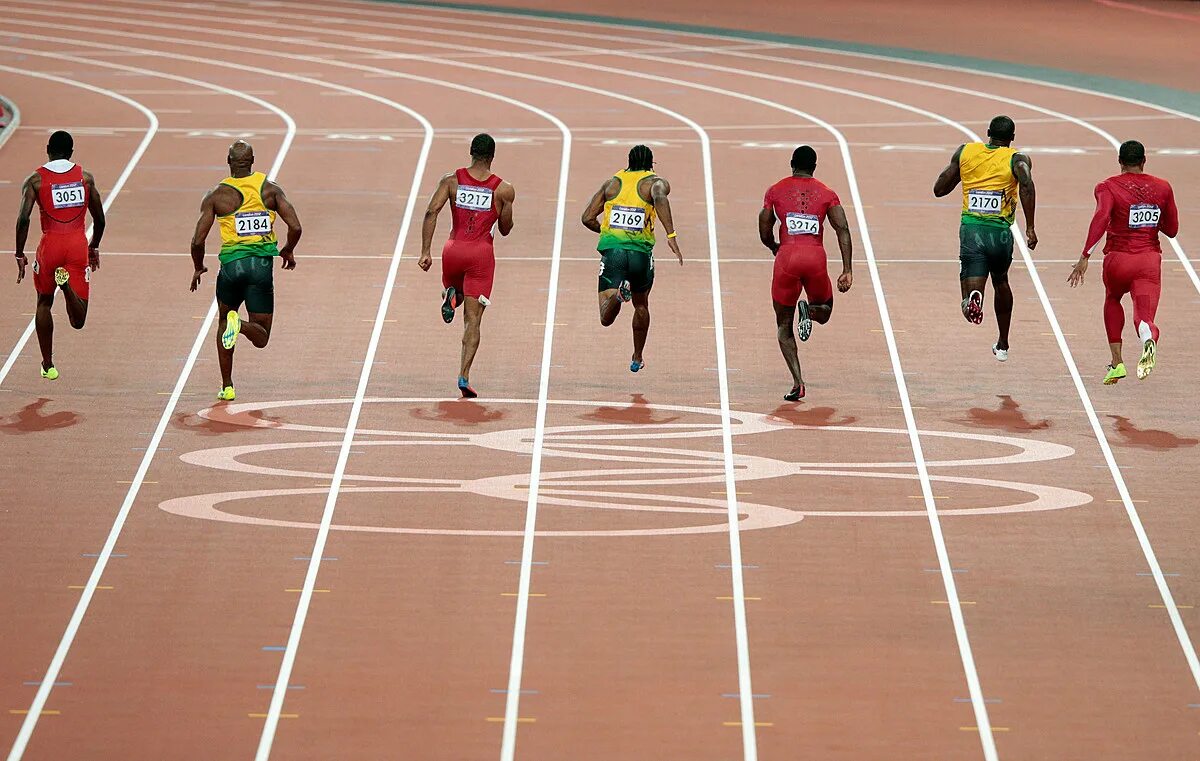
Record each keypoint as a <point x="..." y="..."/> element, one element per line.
<point x="465" y="388"/>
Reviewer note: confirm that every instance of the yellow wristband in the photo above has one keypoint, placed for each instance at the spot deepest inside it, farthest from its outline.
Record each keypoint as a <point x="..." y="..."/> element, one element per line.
<point x="671" y="235"/>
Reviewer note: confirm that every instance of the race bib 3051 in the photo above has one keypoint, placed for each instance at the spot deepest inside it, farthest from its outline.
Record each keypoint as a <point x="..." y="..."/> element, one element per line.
<point x="473" y="198"/>
<point x="1143" y="215"/>
<point x="251" y="223"/>
<point x="631" y="218"/>
<point x="68" y="195"/>
<point x="985" y="201"/>
<point x="802" y="224"/>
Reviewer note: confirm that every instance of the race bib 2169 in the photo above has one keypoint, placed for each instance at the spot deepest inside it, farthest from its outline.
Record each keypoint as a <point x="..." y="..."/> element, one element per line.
<point x="251" y="223"/>
<point x="1143" y="215"/>
<point x="68" y="195"/>
<point x="985" y="201"/>
<point x="630" y="218"/>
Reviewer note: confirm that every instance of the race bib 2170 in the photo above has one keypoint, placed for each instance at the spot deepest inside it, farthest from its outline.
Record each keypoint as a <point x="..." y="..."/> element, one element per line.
<point x="985" y="201"/>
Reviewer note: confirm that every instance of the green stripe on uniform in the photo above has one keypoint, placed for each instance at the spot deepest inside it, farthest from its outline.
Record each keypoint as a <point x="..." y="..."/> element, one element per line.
<point x="235" y="251"/>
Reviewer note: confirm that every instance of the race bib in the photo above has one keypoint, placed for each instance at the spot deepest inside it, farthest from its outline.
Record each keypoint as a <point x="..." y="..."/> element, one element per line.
<point x="1143" y="215"/>
<point x="251" y="223"/>
<point x="67" y="196"/>
<point x="985" y="201"/>
<point x="631" y="218"/>
<point x="473" y="198"/>
<point x="802" y="224"/>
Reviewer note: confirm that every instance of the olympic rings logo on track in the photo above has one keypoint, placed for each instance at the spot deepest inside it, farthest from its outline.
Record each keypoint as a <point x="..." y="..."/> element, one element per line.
<point x="628" y="486"/>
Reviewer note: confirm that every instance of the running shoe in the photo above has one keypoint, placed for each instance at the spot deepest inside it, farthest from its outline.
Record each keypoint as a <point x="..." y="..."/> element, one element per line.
<point x="1001" y="354"/>
<point x="972" y="307"/>
<point x="465" y="388"/>
<point x="624" y="292"/>
<point x="636" y="365"/>
<point x="795" y="395"/>
<point x="61" y="276"/>
<point x="448" y="304"/>
<point x="804" y="323"/>
<point x="226" y="394"/>
<point x="1146" y="363"/>
<point x="51" y="374"/>
<point x="233" y="326"/>
<point x="1114" y="374"/>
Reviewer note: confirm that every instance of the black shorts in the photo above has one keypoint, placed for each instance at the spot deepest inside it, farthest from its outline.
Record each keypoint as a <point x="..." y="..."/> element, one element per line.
<point x="620" y="264"/>
<point x="249" y="280"/>
<point x="984" y="250"/>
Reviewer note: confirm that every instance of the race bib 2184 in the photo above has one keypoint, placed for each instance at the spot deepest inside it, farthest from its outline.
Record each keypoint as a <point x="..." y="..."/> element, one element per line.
<point x="251" y="223"/>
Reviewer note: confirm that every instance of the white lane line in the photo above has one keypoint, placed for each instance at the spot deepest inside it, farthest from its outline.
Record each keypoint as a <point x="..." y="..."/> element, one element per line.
<point x="749" y="738"/>
<point x="14" y="122"/>
<point x="89" y="590"/>
<point x="152" y="127"/>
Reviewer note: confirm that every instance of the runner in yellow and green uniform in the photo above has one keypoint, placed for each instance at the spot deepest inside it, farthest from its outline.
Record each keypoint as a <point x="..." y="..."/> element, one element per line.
<point x="623" y="211"/>
<point x="993" y="175"/>
<point x="244" y="205"/>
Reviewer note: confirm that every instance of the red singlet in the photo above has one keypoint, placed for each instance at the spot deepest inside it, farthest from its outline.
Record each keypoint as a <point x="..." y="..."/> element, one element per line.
<point x="468" y="259"/>
<point x="1133" y="208"/>
<point x="63" y="201"/>
<point x="801" y="204"/>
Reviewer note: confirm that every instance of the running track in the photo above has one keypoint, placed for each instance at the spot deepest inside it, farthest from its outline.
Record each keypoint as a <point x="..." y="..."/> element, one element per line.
<point x="932" y="557"/>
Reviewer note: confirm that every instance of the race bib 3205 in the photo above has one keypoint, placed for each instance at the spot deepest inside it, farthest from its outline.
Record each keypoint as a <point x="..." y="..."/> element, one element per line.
<point x="802" y="224"/>
<point x="251" y="223"/>
<point x="68" y="195"/>
<point x="985" y="201"/>
<point x="631" y="218"/>
<point x="1143" y="215"/>
<point x="473" y="198"/>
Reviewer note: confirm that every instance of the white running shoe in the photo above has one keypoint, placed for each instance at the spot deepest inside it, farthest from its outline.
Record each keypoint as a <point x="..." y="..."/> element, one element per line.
<point x="1001" y="354"/>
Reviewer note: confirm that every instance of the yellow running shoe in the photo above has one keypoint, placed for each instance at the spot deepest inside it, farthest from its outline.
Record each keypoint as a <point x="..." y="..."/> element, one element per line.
<point x="1146" y="363"/>
<point x="233" y="326"/>
<point x="51" y="374"/>
<point x="226" y="394"/>
<point x="61" y="276"/>
<point x="1114" y="374"/>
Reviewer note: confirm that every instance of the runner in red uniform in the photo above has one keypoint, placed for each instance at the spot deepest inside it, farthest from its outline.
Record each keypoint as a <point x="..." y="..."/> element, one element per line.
<point x="801" y="204"/>
<point x="481" y="201"/>
<point x="65" y="259"/>
<point x="1133" y="207"/>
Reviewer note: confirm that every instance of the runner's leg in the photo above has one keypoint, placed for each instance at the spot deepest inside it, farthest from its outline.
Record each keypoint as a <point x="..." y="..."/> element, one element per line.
<point x="224" y="356"/>
<point x="641" y="323"/>
<point x="785" y="315"/>
<point x="44" y="322"/>
<point x="472" y="317"/>
<point x="1115" y="288"/>
<point x="257" y="328"/>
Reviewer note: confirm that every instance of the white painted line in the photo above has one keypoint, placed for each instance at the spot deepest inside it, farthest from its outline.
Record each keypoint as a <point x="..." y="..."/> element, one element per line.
<point x="93" y="582"/>
<point x="13" y="124"/>
<point x="152" y="127"/>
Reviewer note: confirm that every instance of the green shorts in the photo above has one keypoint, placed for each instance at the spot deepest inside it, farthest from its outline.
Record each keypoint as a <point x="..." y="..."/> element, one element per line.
<point x="620" y="264"/>
<point x="984" y="250"/>
<point x="248" y="280"/>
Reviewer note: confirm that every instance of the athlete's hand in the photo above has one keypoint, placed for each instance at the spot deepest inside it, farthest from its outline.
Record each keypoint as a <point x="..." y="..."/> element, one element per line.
<point x="1078" y="271"/>
<point x="845" y="280"/>
<point x="426" y="261"/>
<point x="1031" y="239"/>
<point x="94" y="258"/>
<point x="21" y="263"/>
<point x="289" y="260"/>
<point x="196" y="277"/>
<point x="674" y="244"/>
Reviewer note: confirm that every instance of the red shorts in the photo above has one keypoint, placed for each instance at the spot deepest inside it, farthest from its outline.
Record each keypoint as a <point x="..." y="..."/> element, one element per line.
<point x="69" y="252"/>
<point x="801" y="269"/>
<point x="470" y="267"/>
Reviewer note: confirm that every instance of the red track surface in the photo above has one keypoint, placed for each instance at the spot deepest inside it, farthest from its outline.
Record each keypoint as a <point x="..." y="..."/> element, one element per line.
<point x="629" y="645"/>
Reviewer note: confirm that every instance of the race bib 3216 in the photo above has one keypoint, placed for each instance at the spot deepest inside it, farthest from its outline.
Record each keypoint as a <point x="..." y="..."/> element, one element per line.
<point x="802" y="224"/>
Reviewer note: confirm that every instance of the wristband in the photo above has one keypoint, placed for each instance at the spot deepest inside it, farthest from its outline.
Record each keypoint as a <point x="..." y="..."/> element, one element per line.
<point x="1087" y="254"/>
<point x="672" y="235"/>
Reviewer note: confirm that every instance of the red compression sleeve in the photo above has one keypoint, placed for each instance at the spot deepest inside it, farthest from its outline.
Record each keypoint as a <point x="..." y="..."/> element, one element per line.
<point x="1104" y="206"/>
<point x="1169" y="224"/>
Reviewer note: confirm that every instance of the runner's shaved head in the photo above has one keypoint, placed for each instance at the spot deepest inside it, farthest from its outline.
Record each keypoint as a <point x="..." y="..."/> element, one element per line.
<point x="241" y="153"/>
<point x="1002" y="128"/>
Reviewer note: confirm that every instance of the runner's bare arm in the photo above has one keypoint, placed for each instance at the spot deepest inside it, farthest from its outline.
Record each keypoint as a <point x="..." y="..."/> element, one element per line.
<point x="96" y="207"/>
<point x="837" y="218"/>
<point x="278" y="202"/>
<point x="659" y="191"/>
<point x="439" y="198"/>
<point x="591" y="214"/>
<point x="29" y="191"/>
<point x="1104" y="206"/>
<point x="1023" y="169"/>
<point x="766" y="230"/>
<point x="948" y="180"/>
<point x="1169" y="224"/>
<point x="506" y="194"/>
<point x="208" y="215"/>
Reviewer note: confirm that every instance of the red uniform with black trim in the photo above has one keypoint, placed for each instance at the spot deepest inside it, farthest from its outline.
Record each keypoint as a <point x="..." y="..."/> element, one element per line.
<point x="1133" y="208"/>
<point x="468" y="258"/>
<point x="63" y="201"/>
<point x="801" y="204"/>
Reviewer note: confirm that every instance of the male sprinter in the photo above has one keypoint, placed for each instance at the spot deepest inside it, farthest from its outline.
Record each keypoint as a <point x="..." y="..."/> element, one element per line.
<point x="1133" y="207"/>
<point x="992" y="175"/>
<point x="65" y="258"/>
<point x="801" y="204"/>
<point x="629" y="201"/>
<point x="244" y="204"/>
<point x="481" y="201"/>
